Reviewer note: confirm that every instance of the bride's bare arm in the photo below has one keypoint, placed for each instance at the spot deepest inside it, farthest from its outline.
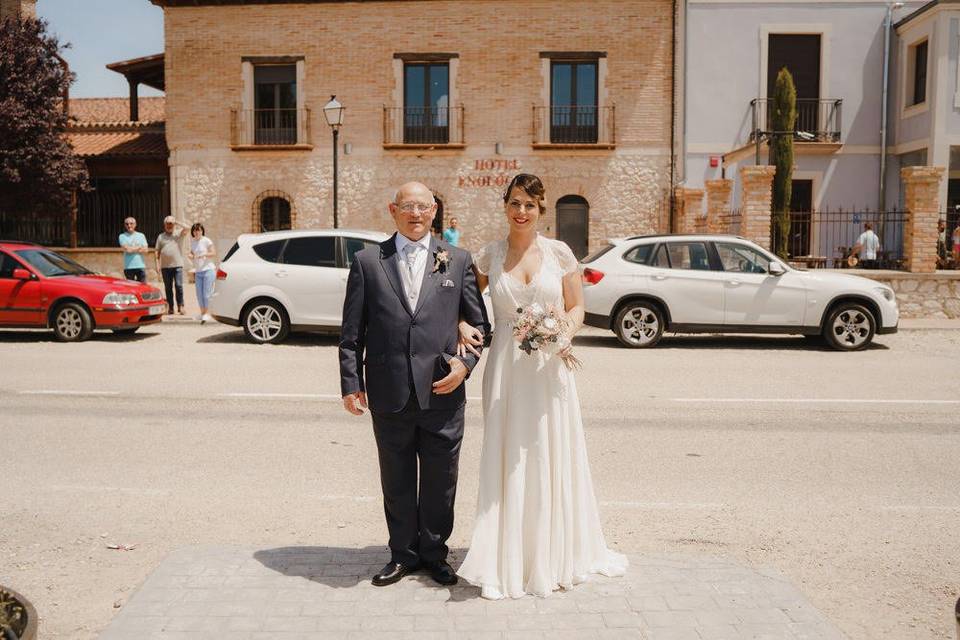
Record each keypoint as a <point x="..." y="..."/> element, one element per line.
<point x="482" y="279"/>
<point x="573" y="300"/>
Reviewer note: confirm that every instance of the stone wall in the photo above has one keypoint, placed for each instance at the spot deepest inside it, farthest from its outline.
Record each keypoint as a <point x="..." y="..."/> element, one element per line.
<point x="109" y="262"/>
<point x="220" y="189"/>
<point x="922" y="295"/>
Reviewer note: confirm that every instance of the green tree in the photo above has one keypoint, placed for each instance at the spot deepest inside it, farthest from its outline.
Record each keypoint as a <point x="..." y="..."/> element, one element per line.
<point x="783" y="120"/>
<point x="39" y="170"/>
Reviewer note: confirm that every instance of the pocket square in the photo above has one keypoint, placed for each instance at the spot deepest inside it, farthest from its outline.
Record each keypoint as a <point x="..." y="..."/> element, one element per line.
<point x="448" y="283"/>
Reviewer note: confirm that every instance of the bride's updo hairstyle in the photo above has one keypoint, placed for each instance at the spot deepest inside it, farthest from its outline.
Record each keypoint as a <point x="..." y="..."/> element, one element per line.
<point x="529" y="184"/>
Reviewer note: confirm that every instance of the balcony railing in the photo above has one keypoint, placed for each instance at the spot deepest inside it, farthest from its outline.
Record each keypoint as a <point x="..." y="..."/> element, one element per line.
<point x="423" y="126"/>
<point x="818" y="119"/>
<point x="270" y="127"/>
<point x="577" y="125"/>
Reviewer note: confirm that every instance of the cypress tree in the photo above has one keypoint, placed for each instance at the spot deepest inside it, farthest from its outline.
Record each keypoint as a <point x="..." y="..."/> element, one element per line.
<point x="783" y="118"/>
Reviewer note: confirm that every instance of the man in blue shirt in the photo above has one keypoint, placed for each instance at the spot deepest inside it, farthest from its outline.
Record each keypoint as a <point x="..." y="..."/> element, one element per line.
<point x="134" y="245"/>
<point x="452" y="234"/>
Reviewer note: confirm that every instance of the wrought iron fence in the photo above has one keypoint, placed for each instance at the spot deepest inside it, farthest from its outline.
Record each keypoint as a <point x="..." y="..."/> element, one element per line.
<point x="947" y="249"/>
<point x="818" y="119"/>
<point x="51" y="229"/>
<point x="269" y="127"/>
<point x="423" y="125"/>
<point x="819" y="239"/>
<point x="576" y="124"/>
<point x="100" y="215"/>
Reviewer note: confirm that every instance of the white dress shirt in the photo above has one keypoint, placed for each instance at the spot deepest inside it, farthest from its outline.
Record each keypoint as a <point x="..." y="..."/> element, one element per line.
<point x="411" y="284"/>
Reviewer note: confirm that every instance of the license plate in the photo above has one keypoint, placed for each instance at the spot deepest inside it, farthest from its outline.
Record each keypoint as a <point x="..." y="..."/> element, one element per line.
<point x="158" y="309"/>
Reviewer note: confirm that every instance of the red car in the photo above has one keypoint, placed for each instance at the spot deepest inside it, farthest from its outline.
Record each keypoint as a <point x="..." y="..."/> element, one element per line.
<point x="40" y="288"/>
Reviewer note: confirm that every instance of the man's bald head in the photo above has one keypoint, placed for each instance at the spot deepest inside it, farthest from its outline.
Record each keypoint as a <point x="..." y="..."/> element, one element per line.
<point x="409" y="190"/>
<point x="413" y="208"/>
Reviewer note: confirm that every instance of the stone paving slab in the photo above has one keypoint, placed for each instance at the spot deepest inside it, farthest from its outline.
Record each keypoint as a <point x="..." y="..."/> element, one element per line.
<point x="313" y="593"/>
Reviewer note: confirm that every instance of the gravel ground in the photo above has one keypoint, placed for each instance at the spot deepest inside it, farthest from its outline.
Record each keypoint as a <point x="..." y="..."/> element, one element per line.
<point x="838" y="470"/>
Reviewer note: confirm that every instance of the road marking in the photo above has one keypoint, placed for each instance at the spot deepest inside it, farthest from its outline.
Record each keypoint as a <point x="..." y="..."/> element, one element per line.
<point x="819" y="400"/>
<point x="57" y="392"/>
<point x="918" y="507"/>
<point x="304" y="396"/>
<point x="662" y="505"/>
<point x="295" y="396"/>
<point x="349" y="498"/>
<point x="102" y="489"/>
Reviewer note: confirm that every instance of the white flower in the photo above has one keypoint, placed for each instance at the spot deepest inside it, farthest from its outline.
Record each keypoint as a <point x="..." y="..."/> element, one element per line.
<point x="549" y="324"/>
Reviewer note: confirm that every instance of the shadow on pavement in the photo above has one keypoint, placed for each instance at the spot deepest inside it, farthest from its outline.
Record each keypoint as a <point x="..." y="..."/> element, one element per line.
<point x="236" y="336"/>
<point x="343" y="568"/>
<point x="35" y="336"/>
<point x="691" y="341"/>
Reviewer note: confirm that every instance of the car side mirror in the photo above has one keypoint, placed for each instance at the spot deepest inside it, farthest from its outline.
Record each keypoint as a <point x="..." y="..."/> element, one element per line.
<point x="776" y="269"/>
<point x="22" y="274"/>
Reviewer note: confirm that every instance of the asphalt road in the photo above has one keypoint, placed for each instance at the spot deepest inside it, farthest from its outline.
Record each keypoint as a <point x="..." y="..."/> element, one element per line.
<point x="837" y="470"/>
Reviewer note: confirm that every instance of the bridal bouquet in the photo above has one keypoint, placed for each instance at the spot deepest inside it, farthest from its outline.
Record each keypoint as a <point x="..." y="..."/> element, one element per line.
<point x="541" y="328"/>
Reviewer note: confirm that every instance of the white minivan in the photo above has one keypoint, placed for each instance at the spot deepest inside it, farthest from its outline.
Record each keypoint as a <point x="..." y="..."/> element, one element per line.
<point x="642" y="286"/>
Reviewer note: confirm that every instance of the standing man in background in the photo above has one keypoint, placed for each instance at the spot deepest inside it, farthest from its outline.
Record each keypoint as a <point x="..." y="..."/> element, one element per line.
<point x="451" y="234"/>
<point x="868" y="244"/>
<point x="134" y="245"/>
<point x="169" y="259"/>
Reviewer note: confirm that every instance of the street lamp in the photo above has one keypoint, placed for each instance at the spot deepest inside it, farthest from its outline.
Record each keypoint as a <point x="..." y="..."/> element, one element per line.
<point x="333" y="111"/>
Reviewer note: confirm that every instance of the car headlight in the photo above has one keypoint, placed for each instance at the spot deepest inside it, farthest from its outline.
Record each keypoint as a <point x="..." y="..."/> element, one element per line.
<point x="120" y="299"/>
<point x="886" y="292"/>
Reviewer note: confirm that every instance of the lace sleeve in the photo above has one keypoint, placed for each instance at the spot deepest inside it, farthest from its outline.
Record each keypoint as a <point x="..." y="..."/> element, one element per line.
<point x="565" y="258"/>
<point x="481" y="259"/>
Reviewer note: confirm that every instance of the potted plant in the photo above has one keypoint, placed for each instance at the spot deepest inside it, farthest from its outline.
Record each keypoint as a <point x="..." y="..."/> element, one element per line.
<point x="18" y="618"/>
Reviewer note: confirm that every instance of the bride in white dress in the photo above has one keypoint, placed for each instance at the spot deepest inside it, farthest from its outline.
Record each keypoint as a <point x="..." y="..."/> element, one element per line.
<point x="537" y="527"/>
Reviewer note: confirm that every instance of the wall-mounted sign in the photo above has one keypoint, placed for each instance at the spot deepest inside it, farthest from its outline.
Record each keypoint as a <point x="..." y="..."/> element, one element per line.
<point x="490" y="173"/>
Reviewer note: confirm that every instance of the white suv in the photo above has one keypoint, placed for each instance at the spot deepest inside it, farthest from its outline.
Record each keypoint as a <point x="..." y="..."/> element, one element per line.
<point x="272" y="283"/>
<point x="642" y="286"/>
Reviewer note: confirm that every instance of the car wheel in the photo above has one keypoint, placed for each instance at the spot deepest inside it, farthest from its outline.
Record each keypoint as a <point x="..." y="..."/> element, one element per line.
<point x="72" y="323"/>
<point x="849" y="327"/>
<point x="638" y="324"/>
<point x="265" y="322"/>
<point x="125" y="331"/>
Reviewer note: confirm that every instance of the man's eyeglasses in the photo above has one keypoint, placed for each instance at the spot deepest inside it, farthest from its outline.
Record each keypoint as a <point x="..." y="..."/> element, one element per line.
<point x="415" y="207"/>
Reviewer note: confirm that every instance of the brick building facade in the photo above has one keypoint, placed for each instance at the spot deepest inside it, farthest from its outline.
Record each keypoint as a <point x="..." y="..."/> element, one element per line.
<point x="18" y="9"/>
<point x="460" y="95"/>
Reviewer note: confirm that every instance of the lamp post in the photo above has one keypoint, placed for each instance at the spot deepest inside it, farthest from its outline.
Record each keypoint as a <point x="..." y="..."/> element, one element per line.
<point x="333" y="111"/>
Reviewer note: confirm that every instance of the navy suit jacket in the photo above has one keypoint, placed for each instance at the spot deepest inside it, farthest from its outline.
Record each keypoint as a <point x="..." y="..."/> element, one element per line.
<point x="387" y="348"/>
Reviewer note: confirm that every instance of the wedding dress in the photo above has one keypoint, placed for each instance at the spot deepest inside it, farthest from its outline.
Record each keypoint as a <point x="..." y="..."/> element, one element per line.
<point x="537" y="527"/>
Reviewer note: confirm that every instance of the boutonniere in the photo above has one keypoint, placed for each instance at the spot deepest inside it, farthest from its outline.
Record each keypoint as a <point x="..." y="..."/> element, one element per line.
<point x="440" y="261"/>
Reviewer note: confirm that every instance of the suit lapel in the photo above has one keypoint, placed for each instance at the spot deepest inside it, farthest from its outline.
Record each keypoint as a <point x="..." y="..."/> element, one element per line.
<point x="430" y="279"/>
<point x="388" y="260"/>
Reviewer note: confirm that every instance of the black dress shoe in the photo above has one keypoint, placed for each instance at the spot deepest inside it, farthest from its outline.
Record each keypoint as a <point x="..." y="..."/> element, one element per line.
<point x="391" y="572"/>
<point x="442" y="573"/>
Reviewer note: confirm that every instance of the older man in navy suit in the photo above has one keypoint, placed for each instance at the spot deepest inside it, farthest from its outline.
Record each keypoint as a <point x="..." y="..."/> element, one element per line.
<point x="398" y="344"/>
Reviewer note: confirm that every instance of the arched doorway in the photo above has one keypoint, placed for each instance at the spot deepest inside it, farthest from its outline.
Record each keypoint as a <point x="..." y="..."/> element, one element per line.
<point x="573" y="215"/>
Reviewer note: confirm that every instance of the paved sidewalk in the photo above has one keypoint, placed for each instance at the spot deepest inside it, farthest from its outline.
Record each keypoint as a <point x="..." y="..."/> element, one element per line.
<point x="300" y="593"/>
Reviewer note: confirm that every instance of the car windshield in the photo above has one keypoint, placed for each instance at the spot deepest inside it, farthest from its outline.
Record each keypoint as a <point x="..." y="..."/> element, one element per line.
<point x="52" y="264"/>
